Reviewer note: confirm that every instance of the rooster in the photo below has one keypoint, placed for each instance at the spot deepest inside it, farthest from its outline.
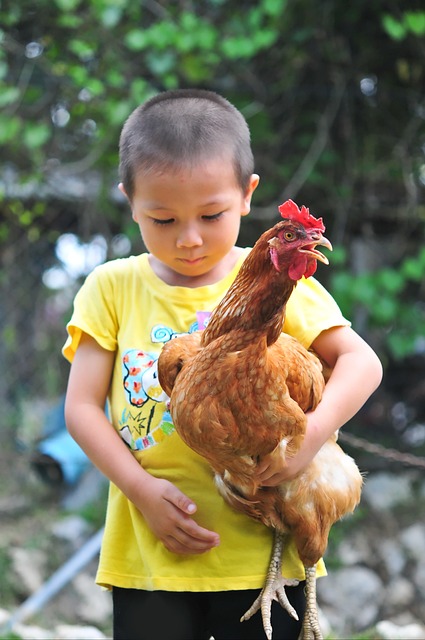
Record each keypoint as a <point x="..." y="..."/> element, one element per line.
<point x="241" y="388"/>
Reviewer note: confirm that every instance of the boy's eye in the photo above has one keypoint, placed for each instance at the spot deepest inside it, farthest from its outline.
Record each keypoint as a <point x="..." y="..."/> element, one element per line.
<point x="212" y="217"/>
<point x="162" y="222"/>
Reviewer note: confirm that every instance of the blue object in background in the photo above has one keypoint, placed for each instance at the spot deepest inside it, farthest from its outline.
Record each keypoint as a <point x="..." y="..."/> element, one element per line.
<point x="58" y="458"/>
<point x="68" y="456"/>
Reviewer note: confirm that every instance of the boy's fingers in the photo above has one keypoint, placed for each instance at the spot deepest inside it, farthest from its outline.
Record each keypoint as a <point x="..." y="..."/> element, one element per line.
<point x="194" y="543"/>
<point x="189" y="526"/>
<point x="194" y="531"/>
<point x="182" y="502"/>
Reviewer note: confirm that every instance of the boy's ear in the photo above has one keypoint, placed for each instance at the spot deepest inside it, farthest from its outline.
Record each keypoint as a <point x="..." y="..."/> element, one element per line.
<point x="123" y="191"/>
<point x="252" y="185"/>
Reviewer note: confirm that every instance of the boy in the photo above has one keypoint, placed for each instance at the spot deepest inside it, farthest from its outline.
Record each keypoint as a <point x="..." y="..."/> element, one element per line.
<point x="174" y="553"/>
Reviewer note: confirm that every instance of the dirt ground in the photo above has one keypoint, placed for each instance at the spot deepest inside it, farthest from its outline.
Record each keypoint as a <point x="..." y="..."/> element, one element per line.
<point x="29" y="510"/>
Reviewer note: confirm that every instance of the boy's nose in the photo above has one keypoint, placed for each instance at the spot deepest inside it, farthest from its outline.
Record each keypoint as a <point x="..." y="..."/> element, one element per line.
<point x="189" y="237"/>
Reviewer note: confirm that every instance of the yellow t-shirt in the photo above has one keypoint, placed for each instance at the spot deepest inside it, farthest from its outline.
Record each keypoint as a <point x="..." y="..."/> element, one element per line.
<point x="126" y="308"/>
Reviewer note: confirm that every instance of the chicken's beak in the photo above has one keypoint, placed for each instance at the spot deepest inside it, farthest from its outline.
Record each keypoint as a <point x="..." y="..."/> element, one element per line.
<point x="315" y="239"/>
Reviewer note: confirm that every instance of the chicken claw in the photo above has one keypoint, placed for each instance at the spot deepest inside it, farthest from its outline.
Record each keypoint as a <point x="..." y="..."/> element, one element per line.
<point x="274" y="589"/>
<point x="311" y="628"/>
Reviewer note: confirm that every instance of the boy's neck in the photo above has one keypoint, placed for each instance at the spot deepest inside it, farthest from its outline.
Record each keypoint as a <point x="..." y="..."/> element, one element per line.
<point x="217" y="273"/>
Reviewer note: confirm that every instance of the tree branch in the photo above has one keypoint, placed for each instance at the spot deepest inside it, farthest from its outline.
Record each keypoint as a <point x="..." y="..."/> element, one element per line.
<point x="318" y="144"/>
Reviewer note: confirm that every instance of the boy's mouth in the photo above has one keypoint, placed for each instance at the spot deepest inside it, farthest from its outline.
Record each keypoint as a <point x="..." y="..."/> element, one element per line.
<point x="191" y="261"/>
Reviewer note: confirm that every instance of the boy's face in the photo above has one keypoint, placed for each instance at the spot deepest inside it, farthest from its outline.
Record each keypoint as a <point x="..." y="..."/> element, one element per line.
<point x="190" y="219"/>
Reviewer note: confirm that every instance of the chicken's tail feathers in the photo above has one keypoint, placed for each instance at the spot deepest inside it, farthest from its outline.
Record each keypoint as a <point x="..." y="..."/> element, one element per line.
<point x="174" y="355"/>
<point x="261" y="505"/>
<point x="235" y="496"/>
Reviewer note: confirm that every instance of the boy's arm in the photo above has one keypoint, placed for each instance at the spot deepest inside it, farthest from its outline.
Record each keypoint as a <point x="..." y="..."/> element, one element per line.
<point x="165" y="508"/>
<point x="356" y="373"/>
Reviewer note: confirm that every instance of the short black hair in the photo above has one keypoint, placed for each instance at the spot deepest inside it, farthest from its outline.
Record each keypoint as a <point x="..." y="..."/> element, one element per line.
<point x="181" y="128"/>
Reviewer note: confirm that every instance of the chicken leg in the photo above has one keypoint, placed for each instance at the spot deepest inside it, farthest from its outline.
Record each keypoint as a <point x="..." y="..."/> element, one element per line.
<point x="274" y="589"/>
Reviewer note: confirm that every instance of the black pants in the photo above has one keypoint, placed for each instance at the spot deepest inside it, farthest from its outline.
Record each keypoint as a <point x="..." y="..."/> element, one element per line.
<point x="169" y="615"/>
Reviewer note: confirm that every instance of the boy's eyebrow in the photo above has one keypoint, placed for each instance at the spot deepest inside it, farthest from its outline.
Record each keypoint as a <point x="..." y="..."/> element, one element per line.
<point x="154" y="205"/>
<point x="214" y="203"/>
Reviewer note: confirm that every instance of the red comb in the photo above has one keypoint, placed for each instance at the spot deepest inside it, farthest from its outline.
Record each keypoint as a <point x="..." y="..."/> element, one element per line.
<point x="290" y="211"/>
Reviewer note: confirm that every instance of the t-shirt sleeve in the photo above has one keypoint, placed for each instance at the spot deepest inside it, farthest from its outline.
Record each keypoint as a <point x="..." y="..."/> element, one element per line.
<point x="311" y="310"/>
<point x="94" y="313"/>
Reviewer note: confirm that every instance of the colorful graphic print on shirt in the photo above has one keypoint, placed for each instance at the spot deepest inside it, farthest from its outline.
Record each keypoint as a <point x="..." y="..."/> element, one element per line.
<point x="145" y="420"/>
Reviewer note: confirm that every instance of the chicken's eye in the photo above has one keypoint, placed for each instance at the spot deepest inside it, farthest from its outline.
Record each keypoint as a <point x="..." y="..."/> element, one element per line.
<point x="289" y="236"/>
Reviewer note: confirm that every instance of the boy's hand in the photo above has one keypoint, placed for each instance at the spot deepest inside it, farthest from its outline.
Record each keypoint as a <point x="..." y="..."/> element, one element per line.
<point x="168" y="512"/>
<point x="272" y="469"/>
<point x="278" y="467"/>
<point x="275" y="468"/>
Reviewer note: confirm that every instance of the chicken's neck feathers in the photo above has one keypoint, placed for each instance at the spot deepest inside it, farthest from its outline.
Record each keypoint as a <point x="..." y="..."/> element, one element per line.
<point x="255" y="301"/>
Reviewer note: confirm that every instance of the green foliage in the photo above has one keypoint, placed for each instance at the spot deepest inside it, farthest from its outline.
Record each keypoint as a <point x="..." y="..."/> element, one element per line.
<point x="334" y="126"/>
<point x="410" y="22"/>
<point x="385" y="295"/>
<point x="71" y="72"/>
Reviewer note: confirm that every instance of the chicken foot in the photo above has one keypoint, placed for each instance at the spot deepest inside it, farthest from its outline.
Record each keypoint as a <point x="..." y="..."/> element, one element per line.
<point x="311" y="628"/>
<point x="274" y="589"/>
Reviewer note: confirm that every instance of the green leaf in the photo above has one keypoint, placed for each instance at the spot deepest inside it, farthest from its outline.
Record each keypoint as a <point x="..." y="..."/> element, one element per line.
<point x="95" y="86"/>
<point x="400" y="344"/>
<point x="390" y="280"/>
<point x="198" y="68"/>
<point x="341" y="289"/>
<point x="9" y="128"/>
<point x="254" y="19"/>
<point x="161" y="62"/>
<point x="274" y="8"/>
<point x="412" y="269"/>
<point x="238" y="47"/>
<point x="163" y="34"/>
<point x="111" y="16"/>
<point x="265" y="38"/>
<point x="384" y="309"/>
<point x="364" y="289"/>
<point x="188" y="21"/>
<point x="136" y="40"/>
<point x="79" y="74"/>
<point x="170" y="81"/>
<point x="196" y="34"/>
<point x="35" y="135"/>
<point x="139" y="89"/>
<point x="69" y="21"/>
<point x="115" y="79"/>
<point x="12" y="16"/>
<point x="81" y="49"/>
<point x="338" y="256"/>
<point x="8" y="95"/>
<point x="67" y="5"/>
<point x="415" y="22"/>
<point x="118" y="112"/>
<point x="395" y="29"/>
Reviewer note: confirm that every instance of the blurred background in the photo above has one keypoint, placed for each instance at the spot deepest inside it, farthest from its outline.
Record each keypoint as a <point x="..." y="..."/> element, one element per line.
<point x="334" y="95"/>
